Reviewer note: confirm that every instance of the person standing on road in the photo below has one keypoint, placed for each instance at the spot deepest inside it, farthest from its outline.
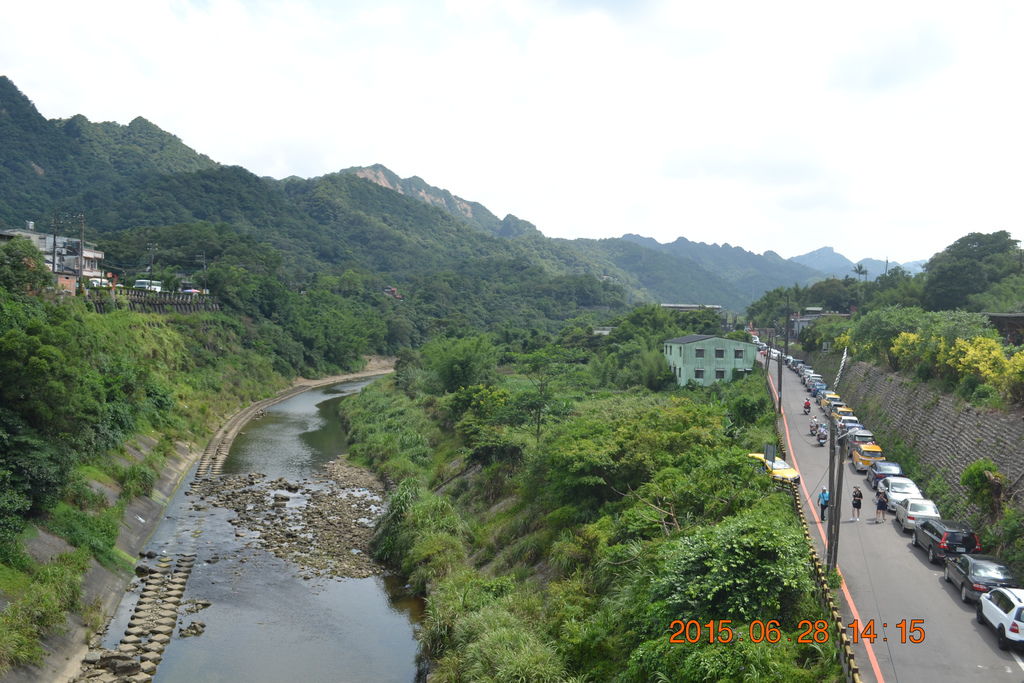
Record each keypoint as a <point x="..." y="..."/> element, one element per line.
<point x="881" y="504"/>
<point x="857" y="498"/>
<point x="823" y="502"/>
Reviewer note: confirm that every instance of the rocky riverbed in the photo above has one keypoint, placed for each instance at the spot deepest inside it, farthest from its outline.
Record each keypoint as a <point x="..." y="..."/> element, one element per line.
<point x="323" y="525"/>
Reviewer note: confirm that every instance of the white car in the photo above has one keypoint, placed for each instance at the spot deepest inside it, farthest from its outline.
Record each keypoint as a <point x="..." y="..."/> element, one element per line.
<point x="848" y="422"/>
<point x="1003" y="610"/>
<point x="899" y="488"/>
<point x="910" y="511"/>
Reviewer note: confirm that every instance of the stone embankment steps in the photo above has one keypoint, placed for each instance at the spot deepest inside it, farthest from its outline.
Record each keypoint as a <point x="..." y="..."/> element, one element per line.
<point x="150" y="629"/>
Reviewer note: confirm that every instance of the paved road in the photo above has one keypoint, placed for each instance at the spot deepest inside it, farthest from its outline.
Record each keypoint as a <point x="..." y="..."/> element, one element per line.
<point x="888" y="580"/>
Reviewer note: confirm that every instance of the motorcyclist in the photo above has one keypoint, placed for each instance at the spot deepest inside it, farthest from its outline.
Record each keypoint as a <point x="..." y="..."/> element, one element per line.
<point x="822" y="434"/>
<point x="814" y="425"/>
<point x="807" y="406"/>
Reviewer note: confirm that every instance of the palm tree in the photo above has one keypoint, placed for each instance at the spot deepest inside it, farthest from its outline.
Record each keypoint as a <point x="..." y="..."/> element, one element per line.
<point x="861" y="271"/>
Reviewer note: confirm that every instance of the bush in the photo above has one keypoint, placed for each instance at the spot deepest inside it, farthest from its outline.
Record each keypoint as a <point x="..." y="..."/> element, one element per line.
<point x="55" y="589"/>
<point x="95" y="532"/>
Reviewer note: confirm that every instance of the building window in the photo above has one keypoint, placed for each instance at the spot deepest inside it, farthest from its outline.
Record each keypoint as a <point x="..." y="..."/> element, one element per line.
<point x="698" y="374"/>
<point x="738" y="353"/>
<point x="698" y="353"/>
<point x="719" y="374"/>
<point x="719" y="353"/>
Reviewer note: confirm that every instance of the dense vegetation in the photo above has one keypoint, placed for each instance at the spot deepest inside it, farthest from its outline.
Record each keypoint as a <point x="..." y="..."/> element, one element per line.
<point x="559" y="515"/>
<point x="77" y="388"/>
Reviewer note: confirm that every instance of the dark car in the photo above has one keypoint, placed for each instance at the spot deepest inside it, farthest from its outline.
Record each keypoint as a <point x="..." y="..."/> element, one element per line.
<point x="941" y="538"/>
<point x="977" y="574"/>
<point x="880" y="469"/>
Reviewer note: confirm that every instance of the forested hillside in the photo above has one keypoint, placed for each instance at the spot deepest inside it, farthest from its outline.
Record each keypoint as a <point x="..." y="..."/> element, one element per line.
<point x="399" y="232"/>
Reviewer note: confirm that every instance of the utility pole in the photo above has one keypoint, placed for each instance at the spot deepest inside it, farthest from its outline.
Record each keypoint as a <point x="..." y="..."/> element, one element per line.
<point x="152" y="251"/>
<point x="778" y="363"/>
<point x="831" y="487"/>
<point x="54" y="224"/>
<point x="81" y="248"/>
<point x="835" y="496"/>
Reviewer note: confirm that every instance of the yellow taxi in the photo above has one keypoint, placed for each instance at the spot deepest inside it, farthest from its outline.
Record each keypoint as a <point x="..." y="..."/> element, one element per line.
<point x="840" y="412"/>
<point x="781" y="471"/>
<point x="865" y="454"/>
<point x="825" y="400"/>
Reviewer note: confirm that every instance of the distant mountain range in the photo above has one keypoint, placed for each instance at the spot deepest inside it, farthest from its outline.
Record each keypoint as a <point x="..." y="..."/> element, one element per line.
<point x="832" y="264"/>
<point x="735" y="275"/>
<point x="364" y="219"/>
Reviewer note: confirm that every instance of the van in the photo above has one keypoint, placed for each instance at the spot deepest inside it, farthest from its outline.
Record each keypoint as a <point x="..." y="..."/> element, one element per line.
<point x="149" y="285"/>
<point x="865" y="455"/>
<point x="859" y="436"/>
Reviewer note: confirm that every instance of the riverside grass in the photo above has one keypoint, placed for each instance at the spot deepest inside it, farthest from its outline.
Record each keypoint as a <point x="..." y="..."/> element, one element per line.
<point x="534" y="569"/>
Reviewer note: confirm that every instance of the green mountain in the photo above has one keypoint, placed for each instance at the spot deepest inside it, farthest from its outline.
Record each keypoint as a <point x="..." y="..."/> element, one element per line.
<point x="833" y="264"/>
<point x="743" y="274"/>
<point x="683" y="272"/>
<point x="265" y="242"/>
<point x="137" y="185"/>
<point x="474" y="213"/>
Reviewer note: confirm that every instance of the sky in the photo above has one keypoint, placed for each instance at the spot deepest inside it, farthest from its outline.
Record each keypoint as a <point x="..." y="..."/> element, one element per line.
<point x="881" y="129"/>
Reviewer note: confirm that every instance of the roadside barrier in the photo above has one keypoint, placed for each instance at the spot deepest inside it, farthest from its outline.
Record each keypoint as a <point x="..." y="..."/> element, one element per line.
<point x="824" y="594"/>
<point x="152" y="302"/>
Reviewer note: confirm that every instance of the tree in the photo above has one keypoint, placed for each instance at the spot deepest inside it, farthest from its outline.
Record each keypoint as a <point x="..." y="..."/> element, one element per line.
<point x="461" y="362"/>
<point x="22" y="268"/>
<point x="860" y="271"/>
<point x="968" y="266"/>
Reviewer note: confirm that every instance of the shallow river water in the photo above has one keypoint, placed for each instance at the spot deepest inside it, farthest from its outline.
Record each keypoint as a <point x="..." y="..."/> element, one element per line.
<point x="266" y="622"/>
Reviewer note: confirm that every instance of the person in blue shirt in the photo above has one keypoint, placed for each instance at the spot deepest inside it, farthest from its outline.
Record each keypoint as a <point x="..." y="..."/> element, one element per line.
<point x="823" y="502"/>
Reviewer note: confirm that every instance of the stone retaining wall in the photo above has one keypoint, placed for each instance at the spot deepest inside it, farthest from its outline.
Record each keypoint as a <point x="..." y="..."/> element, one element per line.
<point x="945" y="431"/>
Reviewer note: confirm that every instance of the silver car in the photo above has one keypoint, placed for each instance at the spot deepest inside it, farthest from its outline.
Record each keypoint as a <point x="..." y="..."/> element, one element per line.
<point x="899" y="488"/>
<point x="910" y="511"/>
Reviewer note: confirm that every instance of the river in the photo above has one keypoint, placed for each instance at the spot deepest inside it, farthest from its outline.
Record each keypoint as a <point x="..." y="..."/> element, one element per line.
<point x="266" y="620"/>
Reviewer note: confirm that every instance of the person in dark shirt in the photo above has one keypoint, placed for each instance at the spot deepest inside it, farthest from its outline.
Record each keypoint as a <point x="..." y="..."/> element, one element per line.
<point x="881" y="504"/>
<point x="858" y="498"/>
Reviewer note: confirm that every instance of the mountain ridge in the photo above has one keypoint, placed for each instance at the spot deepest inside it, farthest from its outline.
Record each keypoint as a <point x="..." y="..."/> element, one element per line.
<point x="139" y="175"/>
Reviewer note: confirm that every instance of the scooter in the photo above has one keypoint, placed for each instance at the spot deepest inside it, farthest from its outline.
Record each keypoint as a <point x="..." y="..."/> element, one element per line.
<point x="807" y="407"/>
<point x="814" y="427"/>
<point x="822" y="438"/>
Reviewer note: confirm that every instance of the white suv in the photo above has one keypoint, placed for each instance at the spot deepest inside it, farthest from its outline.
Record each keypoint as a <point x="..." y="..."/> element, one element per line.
<point x="1003" y="610"/>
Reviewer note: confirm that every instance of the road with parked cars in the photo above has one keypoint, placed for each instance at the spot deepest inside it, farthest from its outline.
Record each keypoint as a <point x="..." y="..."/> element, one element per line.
<point x="890" y="585"/>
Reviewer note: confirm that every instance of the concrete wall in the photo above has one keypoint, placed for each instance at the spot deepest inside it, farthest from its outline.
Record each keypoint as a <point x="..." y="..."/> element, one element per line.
<point x="945" y="431"/>
<point x="154" y="302"/>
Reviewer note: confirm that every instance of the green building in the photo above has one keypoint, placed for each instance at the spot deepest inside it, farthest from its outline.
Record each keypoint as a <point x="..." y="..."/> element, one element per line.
<point x="704" y="358"/>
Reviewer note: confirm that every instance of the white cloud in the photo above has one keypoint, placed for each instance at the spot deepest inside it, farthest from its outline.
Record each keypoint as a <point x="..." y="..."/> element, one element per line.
<point x="879" y="129"/>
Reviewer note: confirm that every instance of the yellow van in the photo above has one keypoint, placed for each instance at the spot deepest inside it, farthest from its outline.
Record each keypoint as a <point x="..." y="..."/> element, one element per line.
<point x="864" y="454"/>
